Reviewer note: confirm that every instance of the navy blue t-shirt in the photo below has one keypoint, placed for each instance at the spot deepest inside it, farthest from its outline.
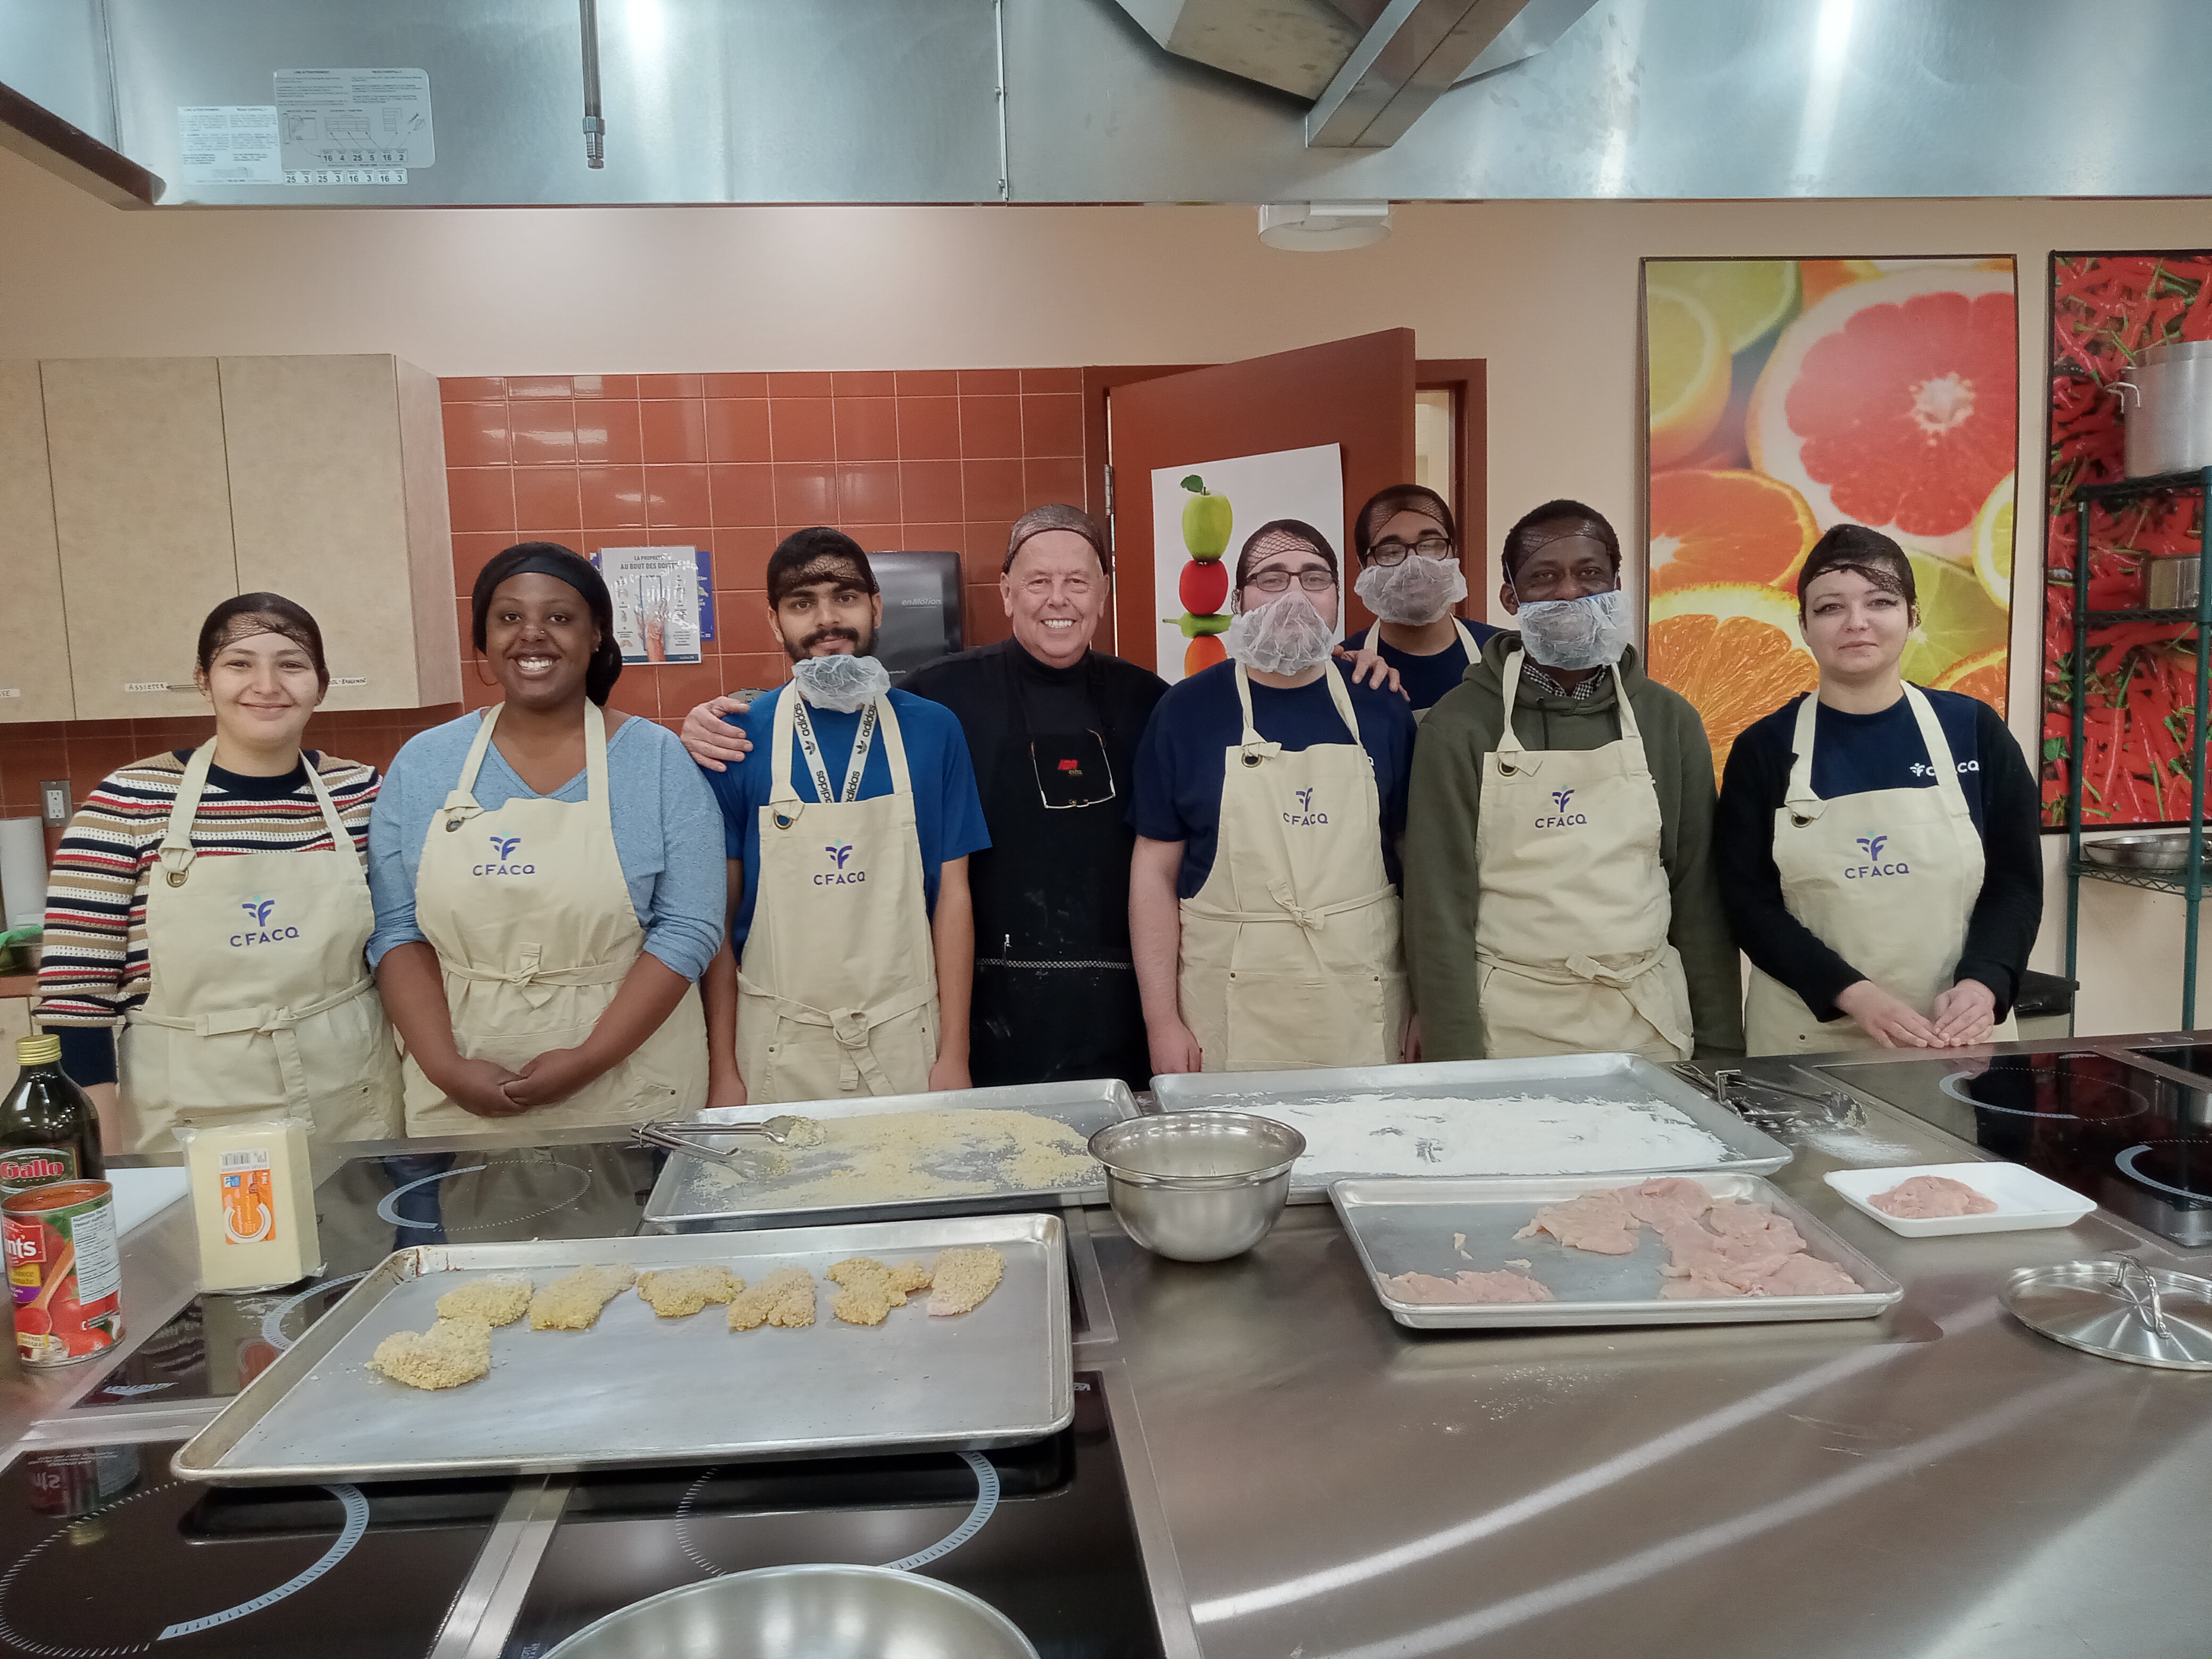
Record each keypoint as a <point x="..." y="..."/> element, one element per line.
<point x="1427" y="679"/>
<point x="1856" y="754"/>
<point x="948" y="815"/>
<point x="1175" y="794"/>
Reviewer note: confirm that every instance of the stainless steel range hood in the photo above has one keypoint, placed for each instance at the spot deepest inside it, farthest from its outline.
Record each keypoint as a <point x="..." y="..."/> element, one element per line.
<point x="1077" y="101"/>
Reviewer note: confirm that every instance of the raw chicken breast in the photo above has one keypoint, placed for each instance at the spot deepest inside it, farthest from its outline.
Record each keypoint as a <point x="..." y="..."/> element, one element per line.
<point x="1807" y="1275"/>
<point x="1597" y="1222"/>
<point x="1666" y="1199"/>
<point x="1464" y="1287"/>
<point x="1926" y="1198"/>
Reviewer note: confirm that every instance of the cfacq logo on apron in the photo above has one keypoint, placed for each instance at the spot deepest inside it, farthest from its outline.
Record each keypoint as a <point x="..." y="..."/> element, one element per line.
<point x="260" y="932"/>
<point x="1306" y="814"/>
<point x="1561" y="818"/>
<point x="839" y="876"/>
<point x="503" y="859"/>
<point x="1871" y="846"/>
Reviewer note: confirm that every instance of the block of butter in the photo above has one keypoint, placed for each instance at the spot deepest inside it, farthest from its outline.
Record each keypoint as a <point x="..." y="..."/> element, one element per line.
<point x="253" y="1201"/>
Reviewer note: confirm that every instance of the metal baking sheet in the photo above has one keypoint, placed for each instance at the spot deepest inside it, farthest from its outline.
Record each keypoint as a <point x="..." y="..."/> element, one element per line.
<point x="1406" y="1224"/>
<point x="638" y="1389"/>
<point x="694" y="1194"/>
<point x="1628" y="1078"/>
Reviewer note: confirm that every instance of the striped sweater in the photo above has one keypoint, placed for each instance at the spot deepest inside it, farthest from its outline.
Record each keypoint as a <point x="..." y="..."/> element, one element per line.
<point x="94" y="968"/>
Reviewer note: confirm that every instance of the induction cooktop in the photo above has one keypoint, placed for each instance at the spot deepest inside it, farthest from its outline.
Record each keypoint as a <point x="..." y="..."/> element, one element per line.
<point x="2137" y="1140"/>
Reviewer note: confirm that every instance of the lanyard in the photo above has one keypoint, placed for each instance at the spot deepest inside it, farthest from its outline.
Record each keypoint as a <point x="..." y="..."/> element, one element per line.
<point x="861" y="739"/>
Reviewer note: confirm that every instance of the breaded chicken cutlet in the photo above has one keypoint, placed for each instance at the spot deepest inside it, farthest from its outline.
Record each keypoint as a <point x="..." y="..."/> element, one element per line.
<point x="962" y="1276"/>
<point x="573" y="1301"/>
<point x="871" y="1289"/>
<point x="450" y="1352"/>
<point x="497" y="1299"/>
<point x="785" y="1297"/>
<point x="679" y="1292"/>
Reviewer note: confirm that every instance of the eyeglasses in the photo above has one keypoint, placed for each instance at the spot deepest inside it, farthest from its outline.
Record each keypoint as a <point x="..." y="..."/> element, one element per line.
<point x="1278" y="580"/>
<point x="1390" y="553"/>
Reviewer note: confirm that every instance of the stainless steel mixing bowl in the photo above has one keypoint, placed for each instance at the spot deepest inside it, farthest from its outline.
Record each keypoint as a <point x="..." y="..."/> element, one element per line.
<point x="804" y="1613"/>
<point x="1198" y="1186"/>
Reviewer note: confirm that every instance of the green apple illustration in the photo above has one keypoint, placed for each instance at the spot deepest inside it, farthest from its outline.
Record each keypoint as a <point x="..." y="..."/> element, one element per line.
<point x="1207" y="517"/>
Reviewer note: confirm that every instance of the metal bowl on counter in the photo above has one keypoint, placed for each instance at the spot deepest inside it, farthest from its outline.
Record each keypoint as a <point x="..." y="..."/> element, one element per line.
<point x="2163" y="849"/>
<point x="1198" y="1186"/>
<point x="804" y="1613"/>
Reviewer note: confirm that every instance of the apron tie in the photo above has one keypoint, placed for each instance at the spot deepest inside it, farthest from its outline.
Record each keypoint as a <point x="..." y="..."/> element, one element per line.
<point x="1310" y="920"/>
<point x="853" y="1028"/>
<point x="1634" y="980"/>
<point x="279" y="1025"/>
<point x="537" y="982"/>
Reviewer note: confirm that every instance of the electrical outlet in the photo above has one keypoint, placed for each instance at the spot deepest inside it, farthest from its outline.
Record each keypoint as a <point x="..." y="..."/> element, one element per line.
<point x="54" y="799"/>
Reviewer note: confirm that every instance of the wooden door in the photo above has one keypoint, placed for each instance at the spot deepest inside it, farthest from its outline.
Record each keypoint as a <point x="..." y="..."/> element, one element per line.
<point x="142" y="514"/>
<point x="34" y="661"/>
<point x="324" y="513"/>
<point x="1355" y="393"/>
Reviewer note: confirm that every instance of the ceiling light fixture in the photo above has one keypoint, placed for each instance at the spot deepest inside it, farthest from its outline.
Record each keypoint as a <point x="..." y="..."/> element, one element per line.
<point x="1323" y="227"/>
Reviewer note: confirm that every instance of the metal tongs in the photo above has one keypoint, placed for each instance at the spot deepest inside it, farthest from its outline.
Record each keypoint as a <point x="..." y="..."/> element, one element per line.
<point x="1729" y="1084"/>
<point x="676" y="1135"/>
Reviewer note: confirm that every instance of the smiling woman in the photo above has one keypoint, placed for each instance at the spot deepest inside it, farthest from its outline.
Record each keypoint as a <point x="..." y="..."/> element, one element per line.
<point x="221" y="889"/>
<point x="547" y="880"/>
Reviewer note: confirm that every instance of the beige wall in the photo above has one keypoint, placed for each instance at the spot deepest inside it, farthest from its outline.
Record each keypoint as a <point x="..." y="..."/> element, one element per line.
<point x="1546" y="291"/>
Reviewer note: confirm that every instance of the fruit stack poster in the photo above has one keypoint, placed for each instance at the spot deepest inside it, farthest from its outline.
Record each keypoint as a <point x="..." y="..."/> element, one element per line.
<point x="2106" y="310"/>
<point x="1202" y="511"/>
<point x="1788" y="396"/>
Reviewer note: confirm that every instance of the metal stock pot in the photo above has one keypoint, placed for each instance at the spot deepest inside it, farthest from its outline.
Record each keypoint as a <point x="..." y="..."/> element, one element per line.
<point x="2169" y="424"/>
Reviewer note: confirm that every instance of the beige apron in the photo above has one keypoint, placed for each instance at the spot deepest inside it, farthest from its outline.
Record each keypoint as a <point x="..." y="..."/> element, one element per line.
<point x="837" y="993"/>
<point x="1887" y="880"/>
<point x="1291" y="951"/>
<point x="526" y="907"/>
<point x="1473" y="656"/>
<point x="261" y="1002"/>
<point x="1571" y="934"/>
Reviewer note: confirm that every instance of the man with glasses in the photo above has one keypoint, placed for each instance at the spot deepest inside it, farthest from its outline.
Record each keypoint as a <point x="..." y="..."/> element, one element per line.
<point x="1270" y="794"/>
<point x="1411" y="579"/>
<point x="1559" y="851"/>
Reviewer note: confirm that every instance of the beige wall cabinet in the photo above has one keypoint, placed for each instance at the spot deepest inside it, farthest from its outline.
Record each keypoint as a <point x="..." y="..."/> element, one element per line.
<point x="34" y="661"/>
<point x="142" y="511"/>
<point x="338" y="500"/>
<point x="180" y="481"/>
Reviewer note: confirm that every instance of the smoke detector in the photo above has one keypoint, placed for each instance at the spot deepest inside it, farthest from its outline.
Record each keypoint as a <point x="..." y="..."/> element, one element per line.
<point x="1323" y="227"/>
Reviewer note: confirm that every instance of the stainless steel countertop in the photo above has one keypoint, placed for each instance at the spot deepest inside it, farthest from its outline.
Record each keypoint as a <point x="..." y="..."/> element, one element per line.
<point x="1308" y="1479"/>
<point x="1940" y="1483"/>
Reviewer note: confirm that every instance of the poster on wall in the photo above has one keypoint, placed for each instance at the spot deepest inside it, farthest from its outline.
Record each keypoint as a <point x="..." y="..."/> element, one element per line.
<point x="663" y="600"/>
<point x="1202" y="514"/>
<point x="1783" y="397"/>
<point x="2106" y="311"/>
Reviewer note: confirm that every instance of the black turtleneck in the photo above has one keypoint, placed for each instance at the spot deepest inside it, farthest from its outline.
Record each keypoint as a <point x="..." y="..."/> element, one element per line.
<point x="1098" y="693"/>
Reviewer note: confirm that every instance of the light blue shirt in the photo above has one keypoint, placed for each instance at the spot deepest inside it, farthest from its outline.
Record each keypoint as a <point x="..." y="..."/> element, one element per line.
<point x="668" y="833"/>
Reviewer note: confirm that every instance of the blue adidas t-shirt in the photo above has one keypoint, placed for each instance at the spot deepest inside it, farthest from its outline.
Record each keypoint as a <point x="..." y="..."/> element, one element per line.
<point x="948" y="814"/>
<point x="1175" y="794"/>
<point x="1427" y="679"/>
<point x="1855" y="754"/>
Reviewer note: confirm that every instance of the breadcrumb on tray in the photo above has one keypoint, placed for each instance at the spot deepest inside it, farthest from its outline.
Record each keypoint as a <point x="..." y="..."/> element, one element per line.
<point x="496" y="1299"/>
<point x="450" y="1352"/>
<point x="962" y="1276"/>
<point x="785" y="1297"/>
<point x="679" y="1292"/>
<point x="573" y="1301"/>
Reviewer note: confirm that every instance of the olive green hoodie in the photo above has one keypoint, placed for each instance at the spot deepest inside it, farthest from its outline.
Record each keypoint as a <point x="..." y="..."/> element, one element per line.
<point x="1442" y="887"/>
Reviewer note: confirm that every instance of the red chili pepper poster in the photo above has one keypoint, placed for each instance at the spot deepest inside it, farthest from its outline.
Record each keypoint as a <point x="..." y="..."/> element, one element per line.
<point x="2106" y="310"/>
<point x="1785" y="397"/>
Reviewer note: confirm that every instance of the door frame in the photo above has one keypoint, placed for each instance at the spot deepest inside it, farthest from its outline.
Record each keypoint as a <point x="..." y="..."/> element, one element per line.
<point x="1465" y="378"/>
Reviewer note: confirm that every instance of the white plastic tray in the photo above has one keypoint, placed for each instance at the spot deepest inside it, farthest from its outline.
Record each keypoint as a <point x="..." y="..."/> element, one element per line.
<point x="2024" y="1200"/>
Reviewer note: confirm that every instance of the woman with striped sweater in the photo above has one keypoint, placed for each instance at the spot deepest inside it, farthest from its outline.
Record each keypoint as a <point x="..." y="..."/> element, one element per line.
<point x="207" y="913"/>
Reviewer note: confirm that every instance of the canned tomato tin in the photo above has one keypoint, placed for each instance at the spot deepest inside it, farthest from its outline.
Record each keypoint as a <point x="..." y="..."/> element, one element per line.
<point x="65" y="1270"/>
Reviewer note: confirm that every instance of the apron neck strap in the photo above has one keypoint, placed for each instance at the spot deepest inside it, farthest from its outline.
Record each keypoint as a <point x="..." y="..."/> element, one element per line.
<point x="1337" y="694"/>
<point x="1509" y="740"/>
<point x="1804" y="806"/>
<point x="1466" y="639"/>
<point x="464" y="787"/>
<point x="595" y="766"/>
<point x="595" y="762"/>
<point x="176" y="850"/>
<point x="894" y="747"/>
<point x="783" y="730"/>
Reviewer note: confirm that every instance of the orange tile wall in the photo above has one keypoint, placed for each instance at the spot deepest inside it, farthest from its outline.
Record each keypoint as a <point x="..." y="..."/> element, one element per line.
<point x="929" y="460"/>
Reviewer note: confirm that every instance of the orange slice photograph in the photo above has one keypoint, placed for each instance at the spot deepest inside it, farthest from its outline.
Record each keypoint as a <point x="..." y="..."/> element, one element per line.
<point x="1733" y="650"/>
<point x="1726" y="527"/>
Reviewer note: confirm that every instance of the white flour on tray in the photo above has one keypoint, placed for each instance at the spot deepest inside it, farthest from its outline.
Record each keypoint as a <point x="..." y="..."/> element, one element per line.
<point x="1513" y="1134"/>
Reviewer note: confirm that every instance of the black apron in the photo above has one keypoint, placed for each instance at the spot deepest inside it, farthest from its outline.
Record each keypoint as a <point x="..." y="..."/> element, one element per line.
<point x="1056" y="995"/>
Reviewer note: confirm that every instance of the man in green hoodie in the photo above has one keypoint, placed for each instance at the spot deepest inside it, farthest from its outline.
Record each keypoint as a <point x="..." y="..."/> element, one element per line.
<point x="1560" y="895"/>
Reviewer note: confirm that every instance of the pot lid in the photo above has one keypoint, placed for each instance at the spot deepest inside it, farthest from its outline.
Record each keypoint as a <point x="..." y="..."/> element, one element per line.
<point x="2118" y="1309"/>
<point x="2175" y="351"/>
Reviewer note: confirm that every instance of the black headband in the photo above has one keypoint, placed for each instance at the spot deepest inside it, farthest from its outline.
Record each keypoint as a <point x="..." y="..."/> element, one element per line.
<point x="560" y="569"/>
